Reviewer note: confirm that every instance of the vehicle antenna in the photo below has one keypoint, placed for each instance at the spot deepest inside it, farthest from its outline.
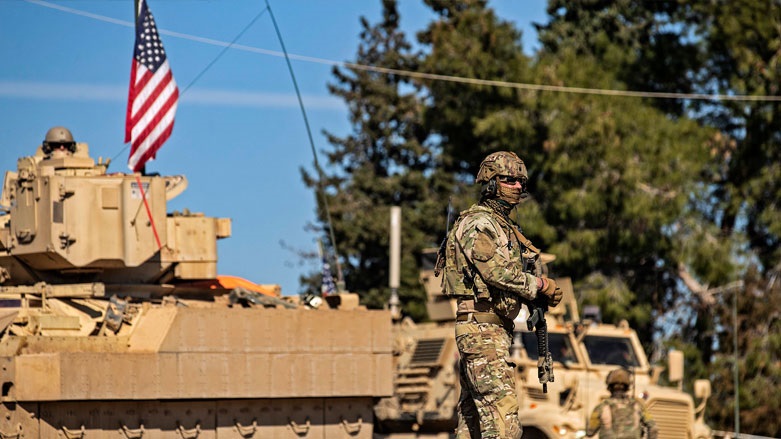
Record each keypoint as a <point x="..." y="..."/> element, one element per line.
<point x="340" y="279"/>
<point x="224" y="49"/>
<point x="449" y="212"/>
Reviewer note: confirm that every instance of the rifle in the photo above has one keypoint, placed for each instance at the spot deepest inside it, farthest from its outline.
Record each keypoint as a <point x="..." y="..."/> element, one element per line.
<point x="440" y="263"/>
<point x="537" y="321"/>
<point x="537" y="309"/>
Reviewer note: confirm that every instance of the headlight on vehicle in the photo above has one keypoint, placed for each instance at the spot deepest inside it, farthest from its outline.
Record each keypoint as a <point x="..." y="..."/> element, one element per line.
<point x="566" y="430"/>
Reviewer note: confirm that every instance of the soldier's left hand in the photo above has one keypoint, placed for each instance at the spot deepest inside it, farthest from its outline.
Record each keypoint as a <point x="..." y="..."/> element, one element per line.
<point x="550" y="289"/>
<point x="557" y="295"/>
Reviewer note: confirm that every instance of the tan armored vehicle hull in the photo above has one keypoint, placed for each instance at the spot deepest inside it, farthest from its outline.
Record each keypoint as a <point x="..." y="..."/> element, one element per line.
<point x="212" y="372"/>
<point x="113" y="322"/>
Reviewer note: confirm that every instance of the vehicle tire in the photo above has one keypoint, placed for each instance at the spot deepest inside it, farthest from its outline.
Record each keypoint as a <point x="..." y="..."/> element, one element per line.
<point x="533" y="433"/>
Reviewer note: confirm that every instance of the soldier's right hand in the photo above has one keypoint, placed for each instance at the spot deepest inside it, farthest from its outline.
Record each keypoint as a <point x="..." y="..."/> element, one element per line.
<point x="551" y="291"/>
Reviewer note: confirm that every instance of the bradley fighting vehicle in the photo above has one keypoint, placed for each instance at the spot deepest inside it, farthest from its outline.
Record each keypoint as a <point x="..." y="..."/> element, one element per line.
<point x="114" y="324"/>
<point x="426" y="385"/>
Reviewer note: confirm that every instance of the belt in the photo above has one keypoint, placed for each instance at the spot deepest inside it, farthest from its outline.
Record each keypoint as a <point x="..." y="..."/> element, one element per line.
<point x="486" y="317"/>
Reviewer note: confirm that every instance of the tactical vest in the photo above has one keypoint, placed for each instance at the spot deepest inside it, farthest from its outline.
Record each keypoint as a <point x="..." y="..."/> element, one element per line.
<point x="460" y="277"/>
<point x="626" y="419"/>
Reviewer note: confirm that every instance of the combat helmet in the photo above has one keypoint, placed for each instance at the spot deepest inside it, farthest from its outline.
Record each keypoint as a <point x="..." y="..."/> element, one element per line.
<point x="617" y="377"/>
<point x="501" y="163"/>
<point x="56" y="137"/>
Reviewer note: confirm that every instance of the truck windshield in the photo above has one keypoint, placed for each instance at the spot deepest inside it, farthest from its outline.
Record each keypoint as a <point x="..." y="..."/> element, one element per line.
<point x="558" y="344"/>
<point x="616" y="351"/>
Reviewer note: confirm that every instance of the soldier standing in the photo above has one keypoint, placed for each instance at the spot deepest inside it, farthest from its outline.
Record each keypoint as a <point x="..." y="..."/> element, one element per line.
<point x="486" y="266"/>
<point x="620" y="417"/>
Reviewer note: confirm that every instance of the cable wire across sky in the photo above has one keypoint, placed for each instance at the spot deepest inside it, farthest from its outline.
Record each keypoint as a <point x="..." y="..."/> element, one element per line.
<point x="422" y="75"/>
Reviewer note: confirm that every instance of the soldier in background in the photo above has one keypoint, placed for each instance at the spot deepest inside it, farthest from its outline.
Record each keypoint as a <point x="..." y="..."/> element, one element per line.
<point x="58" y="143"/>
<point x="620" y="416"/>
<point x="486" y="267"/>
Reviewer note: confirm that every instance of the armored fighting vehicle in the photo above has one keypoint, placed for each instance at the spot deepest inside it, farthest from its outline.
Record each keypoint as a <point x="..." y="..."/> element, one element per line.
<point x="584" y="352"/>
<point x="426" y="386"/>
<point x="114" y="323"/>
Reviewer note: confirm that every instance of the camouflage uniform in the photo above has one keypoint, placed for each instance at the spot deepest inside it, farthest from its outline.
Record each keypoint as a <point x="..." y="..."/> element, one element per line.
<point x="620" y="417"/>
<point x="488" y="405"/>
<point x="483" y="262"/>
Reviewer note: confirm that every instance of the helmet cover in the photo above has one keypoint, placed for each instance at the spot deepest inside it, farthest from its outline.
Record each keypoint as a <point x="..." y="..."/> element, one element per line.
<point x="617" y="376"/>
<point x="57" y="136"/>
<point x="504" y="163"/>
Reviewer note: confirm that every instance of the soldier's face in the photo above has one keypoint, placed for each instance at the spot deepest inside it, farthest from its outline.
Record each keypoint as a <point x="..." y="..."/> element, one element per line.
<point x="510" y="190"/>
<point x="61" y="149"/>
<point x="510" y="182"/>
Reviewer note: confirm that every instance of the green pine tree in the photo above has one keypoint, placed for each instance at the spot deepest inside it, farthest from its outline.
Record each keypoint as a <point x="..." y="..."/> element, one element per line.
<point x="730" y="227"/>
<point x="740" y="199"/>
<point x="386" y="161"/>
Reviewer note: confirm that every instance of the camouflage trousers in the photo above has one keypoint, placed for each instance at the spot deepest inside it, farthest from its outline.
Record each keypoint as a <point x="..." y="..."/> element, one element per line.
<point x="488" y="404"/>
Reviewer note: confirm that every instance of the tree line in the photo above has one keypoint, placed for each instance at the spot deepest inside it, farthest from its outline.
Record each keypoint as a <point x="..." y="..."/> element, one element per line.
<point x="664" y="212"/>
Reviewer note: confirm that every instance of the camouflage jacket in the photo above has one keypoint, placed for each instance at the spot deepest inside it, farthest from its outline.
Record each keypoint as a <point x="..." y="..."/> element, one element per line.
<point x="621" y="418"/>
<point x="484" y="261"/>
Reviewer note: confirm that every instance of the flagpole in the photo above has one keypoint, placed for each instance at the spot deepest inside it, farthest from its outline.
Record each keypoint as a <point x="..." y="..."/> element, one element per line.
<point x="136" y="12"/>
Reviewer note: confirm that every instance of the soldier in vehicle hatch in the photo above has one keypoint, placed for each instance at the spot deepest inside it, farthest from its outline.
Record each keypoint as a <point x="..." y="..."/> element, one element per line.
<point x="620" y="416"/>
<point x="58" y="143"/>
<point x="488" y="267"/>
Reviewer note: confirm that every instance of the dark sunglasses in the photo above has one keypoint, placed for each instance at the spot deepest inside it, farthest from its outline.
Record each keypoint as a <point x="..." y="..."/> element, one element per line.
<point x="511" y="180"/>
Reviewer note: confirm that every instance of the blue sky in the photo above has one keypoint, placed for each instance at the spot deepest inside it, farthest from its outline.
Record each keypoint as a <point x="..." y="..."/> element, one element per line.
<point x="239" y="135"/>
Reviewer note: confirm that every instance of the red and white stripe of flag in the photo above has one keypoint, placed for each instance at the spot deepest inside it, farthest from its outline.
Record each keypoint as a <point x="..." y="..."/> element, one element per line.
<point x="154" y="97"/>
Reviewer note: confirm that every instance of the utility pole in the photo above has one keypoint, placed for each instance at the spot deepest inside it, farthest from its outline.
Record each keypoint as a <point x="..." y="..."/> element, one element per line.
<point x="735" y="367"/>
<point x="395" y="261"/>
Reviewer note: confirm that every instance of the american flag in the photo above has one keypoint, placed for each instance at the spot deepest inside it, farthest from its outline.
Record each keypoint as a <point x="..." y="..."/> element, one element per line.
<point x="153" y="94"/>
<point x="328" y="286"/>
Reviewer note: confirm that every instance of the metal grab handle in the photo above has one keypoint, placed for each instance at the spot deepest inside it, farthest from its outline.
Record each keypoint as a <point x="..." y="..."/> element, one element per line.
<point x="17" y="435"/>
<point x="300" y="430"/>
<point x="190" y="434"/>
<point x="71" y="435"/>
<point x="247" y="431"/>
<point x="352" y="428"/>
<point x="132" y="434"/>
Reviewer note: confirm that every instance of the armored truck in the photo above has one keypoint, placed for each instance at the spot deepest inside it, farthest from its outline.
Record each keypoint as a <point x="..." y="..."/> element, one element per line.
<point x="584" y="352"/>
<point x="114" y="322"/>
<point x="426" y="385"/>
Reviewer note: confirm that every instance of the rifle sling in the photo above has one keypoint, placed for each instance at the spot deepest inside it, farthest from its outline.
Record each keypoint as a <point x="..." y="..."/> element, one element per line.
<point x="525" y="241"/>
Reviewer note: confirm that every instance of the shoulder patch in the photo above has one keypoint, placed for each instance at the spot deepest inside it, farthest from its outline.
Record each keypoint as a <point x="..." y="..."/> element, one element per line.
<point x="484" y="247"/>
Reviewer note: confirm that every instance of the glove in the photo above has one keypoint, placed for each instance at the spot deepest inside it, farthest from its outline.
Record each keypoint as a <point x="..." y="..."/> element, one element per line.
<point x="551" y="291"/>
